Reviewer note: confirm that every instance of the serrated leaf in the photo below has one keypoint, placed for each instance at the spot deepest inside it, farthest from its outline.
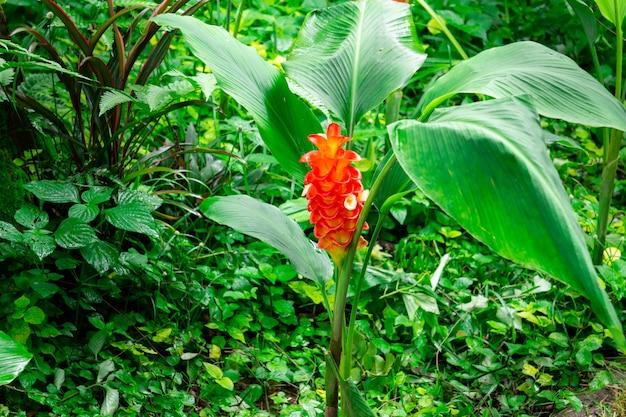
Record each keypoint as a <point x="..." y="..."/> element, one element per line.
<point x="13" y="358"/>
<point x="270" y="225"/>
<point x="112" y="98"/>
<point x="206" y="82"/>
<point x="6" y="76"/>
<point x="54" y="191"/>
<point x="10" y="233"/>
<point x="133" y="217"/>
<point x="31" y="217"/>
<point x="73" y="233"/>
<point x="84" y="212"/>
<point x="101" y="255"/>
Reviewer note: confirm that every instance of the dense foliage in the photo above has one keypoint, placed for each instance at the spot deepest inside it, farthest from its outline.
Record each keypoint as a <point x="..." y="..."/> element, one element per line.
<point x="132" y="301"/>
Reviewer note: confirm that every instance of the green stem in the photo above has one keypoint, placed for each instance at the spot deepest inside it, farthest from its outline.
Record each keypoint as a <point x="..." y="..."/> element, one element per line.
<point x="444" y="28"/>
<point x="341" y="293"/>
<point x="611" y="160"/>
<point x="346" y="360"/>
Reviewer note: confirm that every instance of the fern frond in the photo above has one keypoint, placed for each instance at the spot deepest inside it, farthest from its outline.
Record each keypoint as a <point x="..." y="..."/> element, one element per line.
<point x="112" y="98"/>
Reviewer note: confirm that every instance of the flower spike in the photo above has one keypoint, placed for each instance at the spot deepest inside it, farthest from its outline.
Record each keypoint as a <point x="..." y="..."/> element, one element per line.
<point x="335" y="192"/>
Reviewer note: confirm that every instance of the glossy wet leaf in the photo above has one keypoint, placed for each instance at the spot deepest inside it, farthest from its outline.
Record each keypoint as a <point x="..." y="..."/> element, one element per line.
<point x="74" y="233"/>
<point x="13" y="358"/>
<point x="53" y="191"/>
<point x="486" y="166"/>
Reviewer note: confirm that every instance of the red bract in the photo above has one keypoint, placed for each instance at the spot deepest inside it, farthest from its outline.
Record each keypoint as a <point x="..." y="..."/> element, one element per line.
<point x="334" y="190"/>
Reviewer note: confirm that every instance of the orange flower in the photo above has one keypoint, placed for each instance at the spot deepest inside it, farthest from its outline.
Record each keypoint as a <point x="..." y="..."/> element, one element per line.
<point x="334" y="190"/>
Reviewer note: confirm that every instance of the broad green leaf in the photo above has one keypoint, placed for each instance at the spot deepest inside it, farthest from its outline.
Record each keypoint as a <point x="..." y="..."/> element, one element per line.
<point x="13" y="358"/>
<point x="485" y="165"/>
<point x="95" y="345"/>
<point x="73" y="233"/>
<point x="42" y="244"/>
<point x="134" y="217"/>
<point x="97" y="195"/>
<point x="268" y="224"/>
<point x="284" y="121"/>
<point x="84" y="212"/>
<point x="557" y="86"/>
<point x="34" y="315"/>
<point x="213" y="370"/>
<point x="101" y="255"/>
<point x="225" y="382"/>
<point x="53" y="191"/>
<point x="351" y="56"/>
<point x="31" y="217"/>
<point x="10" y="233"/>
<point x="608" y="8"/>
<point x="105" y="369"/>
<point x="111" y="401"/>
<point x="149" y="201"/>
<point x="45" y="289"/>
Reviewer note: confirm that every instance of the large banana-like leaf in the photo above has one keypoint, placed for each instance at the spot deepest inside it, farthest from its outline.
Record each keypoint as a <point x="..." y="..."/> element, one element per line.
<point x="270" y="225"/>
<point x="284" y="120"/>
<point x="557" y="86"/>
<point x="351" y="56"/>
<point x="486" y="165"/>
<point x="13" y="358"/>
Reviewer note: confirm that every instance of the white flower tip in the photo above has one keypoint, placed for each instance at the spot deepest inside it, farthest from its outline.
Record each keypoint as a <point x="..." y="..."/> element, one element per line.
<point x="350" y="202"/>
